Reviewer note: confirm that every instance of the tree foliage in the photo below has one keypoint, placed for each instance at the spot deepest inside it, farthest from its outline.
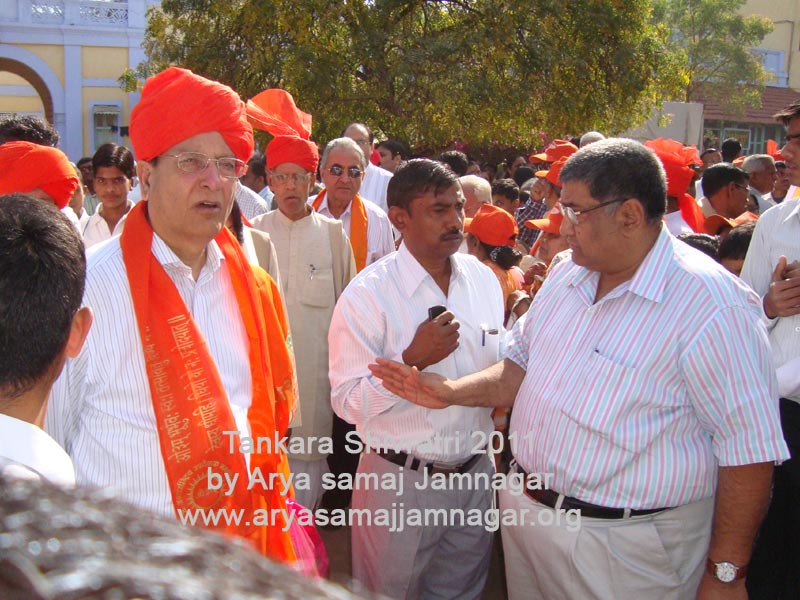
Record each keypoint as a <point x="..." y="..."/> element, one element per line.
<point x="430" y="72"/>
<point x="716" y="47"/>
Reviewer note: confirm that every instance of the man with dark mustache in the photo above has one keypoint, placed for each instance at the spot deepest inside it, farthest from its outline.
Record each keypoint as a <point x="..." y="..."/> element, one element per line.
<point x="392" y="308"/>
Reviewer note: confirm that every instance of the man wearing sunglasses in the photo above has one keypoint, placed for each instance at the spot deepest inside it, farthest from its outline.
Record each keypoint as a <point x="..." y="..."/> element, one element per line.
<point x="191" y="342"/>
<point x="642" y="386"/>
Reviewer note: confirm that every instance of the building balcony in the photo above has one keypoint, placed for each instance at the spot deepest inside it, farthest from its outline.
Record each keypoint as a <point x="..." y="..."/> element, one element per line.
<point x="116" y="14"/>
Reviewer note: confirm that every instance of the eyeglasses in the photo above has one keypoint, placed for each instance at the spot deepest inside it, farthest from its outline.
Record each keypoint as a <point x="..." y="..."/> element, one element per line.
<point x="790" y="137"/>
<point x="363" y="143"/>
<point x="283" y="178"/>
<point x="195" y="162"/>
<point x="741" y="187"/>
<point x="352" y="172"/>
<point x="573" y="215"/>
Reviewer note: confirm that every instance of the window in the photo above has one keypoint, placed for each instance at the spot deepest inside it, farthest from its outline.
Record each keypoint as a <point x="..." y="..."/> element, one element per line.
<point x="773" y="63"/>
<point x="105" y="124"/>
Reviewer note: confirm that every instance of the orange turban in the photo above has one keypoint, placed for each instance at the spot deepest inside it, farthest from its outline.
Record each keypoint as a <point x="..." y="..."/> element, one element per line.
<point x="679" y="176"/>
<point x="25" y="166"/>
<point x="177" y="104"/>
<point x="292" y="149"/>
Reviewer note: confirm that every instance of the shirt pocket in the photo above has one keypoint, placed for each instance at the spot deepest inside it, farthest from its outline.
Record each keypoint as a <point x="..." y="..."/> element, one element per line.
<point x="317" y="290"/>
<point x="604" y="400"/>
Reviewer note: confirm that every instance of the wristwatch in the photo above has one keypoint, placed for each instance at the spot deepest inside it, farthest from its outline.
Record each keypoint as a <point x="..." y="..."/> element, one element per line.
<point x="725" y="572"/>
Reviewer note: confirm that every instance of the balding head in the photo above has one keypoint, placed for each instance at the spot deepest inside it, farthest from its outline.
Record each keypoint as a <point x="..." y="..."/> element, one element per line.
<point x="590" y="137"/>
<point x="477" y="191"/>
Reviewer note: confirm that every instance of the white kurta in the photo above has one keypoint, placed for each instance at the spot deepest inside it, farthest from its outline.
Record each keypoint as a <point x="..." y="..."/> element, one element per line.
<point x="305" y="259"/>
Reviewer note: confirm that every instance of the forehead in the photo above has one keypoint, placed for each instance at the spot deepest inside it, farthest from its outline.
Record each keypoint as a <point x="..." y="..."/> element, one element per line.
<point x="109" y="172"/>
<point x="575" y="193"/>
<point x="451" y="195"/>
<point x="344" y="157"/>
<point x="210" y="143"/>
<point x="289" y="167"/>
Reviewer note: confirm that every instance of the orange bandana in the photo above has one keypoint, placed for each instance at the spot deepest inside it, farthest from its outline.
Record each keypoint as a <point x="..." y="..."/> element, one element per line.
<point x="358" y="228"/>
<point x="189" y="401"/>
<point x="25" y="166"/>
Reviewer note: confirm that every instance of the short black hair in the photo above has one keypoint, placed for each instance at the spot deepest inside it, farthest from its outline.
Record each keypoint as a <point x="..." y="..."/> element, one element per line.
<point x="456" y="160"/>
<point x="112" y="155"/>
<point x="718" y="176"/>
<point x="83" y="160"/>
<point x="506" y="188"/>
<point x="415" y="178"/>
<point x="26" y="128"/>
<point x="707" y="244"/>
<point x="617" y="169"/>
<point x="42" y="278"/>
<point x="735" y="244"/>
<point x="395" y="147"/>
<point x="731" y="148"/>
<point x="257" y="165"/>
<point x="523" y="174"/>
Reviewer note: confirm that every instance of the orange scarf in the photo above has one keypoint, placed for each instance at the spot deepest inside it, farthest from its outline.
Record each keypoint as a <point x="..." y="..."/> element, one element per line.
<point x="358" y="228"/>
<point x="189" y="401"/>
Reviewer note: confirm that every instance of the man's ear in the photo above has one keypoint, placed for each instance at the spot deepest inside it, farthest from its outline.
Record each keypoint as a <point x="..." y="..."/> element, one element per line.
<point x="632" y="214"/>
<point x="81" y="323"/>
<point x="399" y="217"/>
<point x="144" y="170"/>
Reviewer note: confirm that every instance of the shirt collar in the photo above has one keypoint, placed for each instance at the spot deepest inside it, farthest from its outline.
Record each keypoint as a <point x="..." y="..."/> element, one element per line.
<point x="26" y="444"/>
<point x="167" y="258"/>
<point x="324" y="205"/>
<point x="412" y="273"/>
<point x="795" y="212"/>
<point x="648" y="281"/>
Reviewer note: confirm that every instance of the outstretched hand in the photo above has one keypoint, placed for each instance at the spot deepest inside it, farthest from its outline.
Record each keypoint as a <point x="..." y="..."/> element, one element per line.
<point x="425" y="389"/>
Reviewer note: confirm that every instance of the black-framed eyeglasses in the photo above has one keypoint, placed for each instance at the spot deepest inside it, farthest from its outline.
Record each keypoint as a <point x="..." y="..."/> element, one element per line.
<point x="741" y="187"/>
<point x="339" y="170"/>
<point x="195" y="162"/>
<point x="573" y="215"/>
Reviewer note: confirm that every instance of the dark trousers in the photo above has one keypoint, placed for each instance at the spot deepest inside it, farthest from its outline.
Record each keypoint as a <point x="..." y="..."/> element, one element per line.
<point x="341" y="461"/>
<point x="774" y="572"/>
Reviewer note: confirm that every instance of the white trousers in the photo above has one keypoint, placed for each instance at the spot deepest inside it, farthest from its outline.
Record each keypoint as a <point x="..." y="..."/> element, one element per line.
<point x="550" y="557"/>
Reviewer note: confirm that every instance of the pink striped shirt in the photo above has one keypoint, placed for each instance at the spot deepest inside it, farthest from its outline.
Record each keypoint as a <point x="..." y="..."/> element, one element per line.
<point x="635" y="400"/>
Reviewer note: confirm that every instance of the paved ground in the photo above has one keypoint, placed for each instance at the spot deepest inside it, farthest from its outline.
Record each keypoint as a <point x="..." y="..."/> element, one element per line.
<point x="337" y="543"/>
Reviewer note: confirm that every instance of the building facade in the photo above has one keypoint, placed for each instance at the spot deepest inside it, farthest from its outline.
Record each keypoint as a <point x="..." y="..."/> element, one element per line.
<point x="60" y="59"/>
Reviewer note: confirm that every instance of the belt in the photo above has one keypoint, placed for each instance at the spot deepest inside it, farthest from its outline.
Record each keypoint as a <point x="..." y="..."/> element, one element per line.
<point x="558" y="501"/>
<point x="415" y="464"/>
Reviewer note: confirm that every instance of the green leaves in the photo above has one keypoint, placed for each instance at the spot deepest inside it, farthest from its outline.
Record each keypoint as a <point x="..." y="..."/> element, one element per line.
<point x="430" y="72"/>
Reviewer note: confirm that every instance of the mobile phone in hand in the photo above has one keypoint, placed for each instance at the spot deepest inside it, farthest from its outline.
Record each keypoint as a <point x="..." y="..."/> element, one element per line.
<point x="435" y="311"/>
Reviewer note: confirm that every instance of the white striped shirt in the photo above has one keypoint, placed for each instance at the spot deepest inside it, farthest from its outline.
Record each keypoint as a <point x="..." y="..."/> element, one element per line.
<point x="250" y="203"/>
<point x="380" y="240"/>
<point x="378" y="315"/>
<point x="777" y="234"/>
<point x="633" y="401"/>
<point x="101" y="410"/>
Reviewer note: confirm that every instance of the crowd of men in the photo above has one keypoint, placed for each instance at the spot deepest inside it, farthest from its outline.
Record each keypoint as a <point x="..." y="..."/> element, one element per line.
<point x="612" y="323"/>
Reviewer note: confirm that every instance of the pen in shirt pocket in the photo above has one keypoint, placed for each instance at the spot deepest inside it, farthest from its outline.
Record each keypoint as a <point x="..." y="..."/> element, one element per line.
<point x="486" y="329"/>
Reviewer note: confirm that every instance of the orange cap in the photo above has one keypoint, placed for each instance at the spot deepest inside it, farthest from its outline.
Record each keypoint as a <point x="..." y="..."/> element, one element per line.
<point x="492" y="226"/>
<point x="553" y="173"/>
<point x="551" y="223"/>
<point x="715" y="222"/>
<point x="555" y="150"/>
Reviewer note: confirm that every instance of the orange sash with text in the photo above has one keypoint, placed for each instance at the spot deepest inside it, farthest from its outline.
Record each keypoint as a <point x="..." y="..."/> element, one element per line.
<point x="189" y="401"/>
<point x="358" y="228"/>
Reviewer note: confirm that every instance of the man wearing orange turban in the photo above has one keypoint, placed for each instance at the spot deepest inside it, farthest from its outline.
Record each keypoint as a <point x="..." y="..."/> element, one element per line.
<point x="191" y="354"/>
<point x="39" y="171"/>
<point x="316" y="264"/>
